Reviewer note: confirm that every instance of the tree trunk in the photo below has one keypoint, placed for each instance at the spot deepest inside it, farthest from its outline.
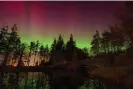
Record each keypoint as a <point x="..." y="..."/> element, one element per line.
<point x="35" y="59"/>
<point x="5" y="58"/>
<point x="20" y="59"/>
<point x="29" y="57"/>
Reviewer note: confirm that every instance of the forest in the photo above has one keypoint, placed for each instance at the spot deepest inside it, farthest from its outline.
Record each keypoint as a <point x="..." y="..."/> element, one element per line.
<point x="113" y="49"/>
<point x="117" y="39"/>
<point x="17" y="53"/>
<point x="110" y="57"/>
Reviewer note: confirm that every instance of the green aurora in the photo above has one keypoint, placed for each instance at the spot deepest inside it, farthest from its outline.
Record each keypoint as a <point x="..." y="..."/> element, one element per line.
<point x="44" y="21"/>
<point x="80" y="42"/>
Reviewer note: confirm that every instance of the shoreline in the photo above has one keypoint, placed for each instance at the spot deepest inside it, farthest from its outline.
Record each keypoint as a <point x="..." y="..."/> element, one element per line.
<point x="117" y="75"/>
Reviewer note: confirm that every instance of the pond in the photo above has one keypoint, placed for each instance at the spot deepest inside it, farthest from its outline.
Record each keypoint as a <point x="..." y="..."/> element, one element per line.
<point x="56" y="80"/>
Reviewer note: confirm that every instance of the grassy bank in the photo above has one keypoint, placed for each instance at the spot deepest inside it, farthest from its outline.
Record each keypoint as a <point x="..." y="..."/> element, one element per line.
<point x="120" y="75"/>
<point x="120" y="71"/>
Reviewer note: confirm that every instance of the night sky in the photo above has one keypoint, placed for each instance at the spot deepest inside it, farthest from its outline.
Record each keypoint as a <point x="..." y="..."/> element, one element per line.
<point x="44" y="21"/>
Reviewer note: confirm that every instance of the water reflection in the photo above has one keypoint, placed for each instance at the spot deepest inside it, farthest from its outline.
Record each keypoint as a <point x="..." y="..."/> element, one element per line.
<point x="40" y="80"/>
<point x="25" y="81"/>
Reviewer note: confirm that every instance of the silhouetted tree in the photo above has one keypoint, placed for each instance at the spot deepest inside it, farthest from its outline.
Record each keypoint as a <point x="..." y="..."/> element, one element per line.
<point x="4" y="45"/>
<point x="117" y="38"/>
<point x="41" y="52"/>
<point x="12" y="41"/>
<point x="70" y="48"/>
<point x="126" y="22"/>
<point x="21" y="50"/>
<point x="106" y="41"/>
<point x="32" y="49"/>
<point x="113" y="39"/>
<point x="53" y="52"/>
<point x="15" y="42"/>
<point x="81" y="54"/>
<point x="3" y="39"/>
<point x="60" y="49"/>
<point x="46" y="50"/>
<point x="85" y="50"/>
<point x="96" y="43"/>
<point x="60" y="43"/>
<point x="36" y="50"/>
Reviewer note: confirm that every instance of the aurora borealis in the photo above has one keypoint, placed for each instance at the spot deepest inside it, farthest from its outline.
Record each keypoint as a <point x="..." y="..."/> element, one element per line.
<point x="44" y="21"/>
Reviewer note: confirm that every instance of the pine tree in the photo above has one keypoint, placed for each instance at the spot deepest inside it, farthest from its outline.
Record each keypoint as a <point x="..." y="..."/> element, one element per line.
<point x="31" y="50"/>
<point x="70" y="48"/>
<point x="106" y="41"/>
<point x="53" y="52"/>
<point x="126" y="22"/>
<point x="96" y="43"/>
<point x="60" y="49"/>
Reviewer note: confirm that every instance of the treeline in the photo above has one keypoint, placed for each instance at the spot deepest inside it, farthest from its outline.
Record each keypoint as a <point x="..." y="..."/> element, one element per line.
<point x="117" y="38"/>
<point x="17" y="53"/>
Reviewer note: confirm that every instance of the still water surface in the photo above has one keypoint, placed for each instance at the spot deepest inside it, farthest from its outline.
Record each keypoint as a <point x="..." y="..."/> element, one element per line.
<point x="58" y="80"/>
